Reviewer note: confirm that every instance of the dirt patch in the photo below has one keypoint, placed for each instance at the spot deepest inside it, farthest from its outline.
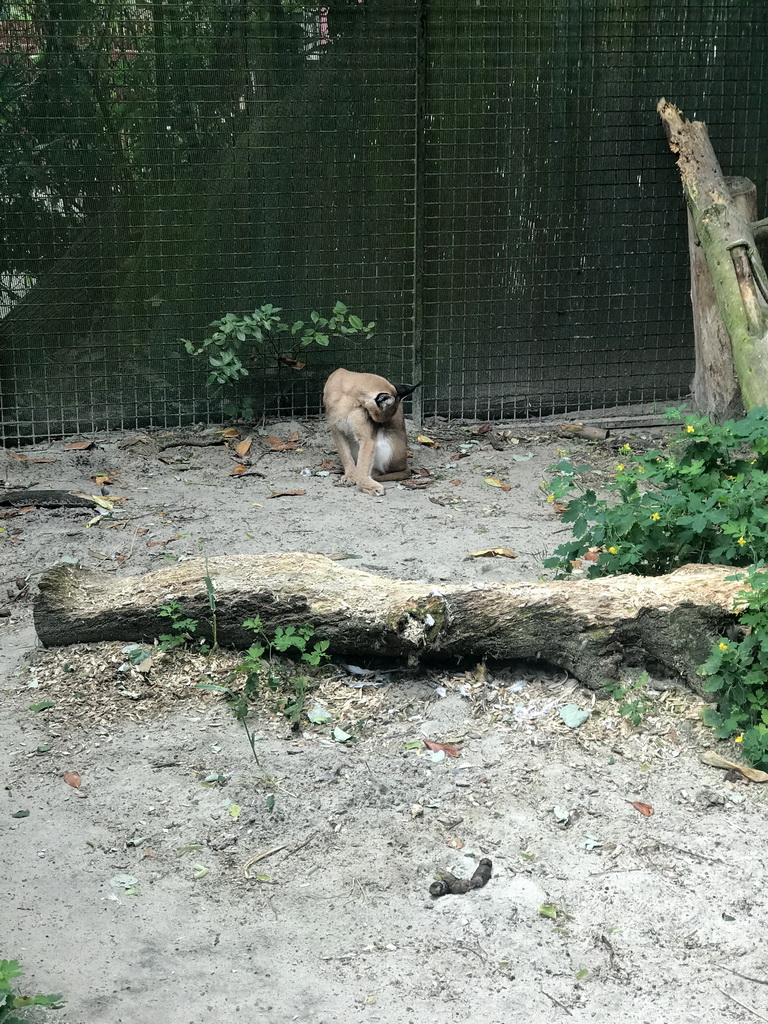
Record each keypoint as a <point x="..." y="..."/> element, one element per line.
<point x="335" y="921"/>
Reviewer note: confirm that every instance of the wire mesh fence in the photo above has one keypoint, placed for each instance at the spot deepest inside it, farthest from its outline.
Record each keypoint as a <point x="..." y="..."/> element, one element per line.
<point x="485" y="180"/>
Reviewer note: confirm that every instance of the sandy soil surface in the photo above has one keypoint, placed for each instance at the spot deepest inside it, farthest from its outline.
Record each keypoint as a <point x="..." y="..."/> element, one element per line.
<point x="132" y="894"/>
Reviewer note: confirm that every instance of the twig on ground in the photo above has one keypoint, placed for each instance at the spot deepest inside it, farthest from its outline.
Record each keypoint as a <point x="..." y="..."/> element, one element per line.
<point x="746" y="977"/>
<point x="743" y="1005"/>
<point x="260" y="856"/>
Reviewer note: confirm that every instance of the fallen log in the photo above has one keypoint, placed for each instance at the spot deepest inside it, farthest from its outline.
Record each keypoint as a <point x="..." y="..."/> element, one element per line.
<point x="736" y="270"/>
<point x="593" y="628"/>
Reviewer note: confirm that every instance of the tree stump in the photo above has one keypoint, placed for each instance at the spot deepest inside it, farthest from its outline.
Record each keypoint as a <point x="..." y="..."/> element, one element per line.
<point x="738" y="278"/>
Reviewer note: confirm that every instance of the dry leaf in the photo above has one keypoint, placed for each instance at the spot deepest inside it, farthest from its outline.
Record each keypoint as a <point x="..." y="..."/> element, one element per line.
<point x="459" y="455"/>
<point x="455" y="844"/>
<point x="716" y="761"/>
<point x="294" y="364"/>
<point x="559" y="507"/>
<point x="42" y="460"/>
<point x="576" y="563"/>
<point x="18" y="456"/>
<point x="276" y="444"/>
<point x="285" y="494"/>
<point x="330" y="466"/>
<point x="493" y="553"/>
<point x="78" y="446"/>
<point x="493" y="482"/>
<point x="294" y="436"/>
<point x="484" y="429"/>
<point x="230" y="432"/>
<point x="591" y="556"/>
<point x="244" y="447"/>
<point x="72" y="779"/>
<point x="645" y="809"/>
<point x="156" y="543"/>
<point x="455" y="483"/>
<point x="449" y="749"/>
<point x="426" y="441"/>
<point x="239" y="470"/>
<point x="416" y="485"/>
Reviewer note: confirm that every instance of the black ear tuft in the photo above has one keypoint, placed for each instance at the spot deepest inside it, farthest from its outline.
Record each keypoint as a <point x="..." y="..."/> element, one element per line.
<point x="403" y="390"/>
<point x="383" y="399"/>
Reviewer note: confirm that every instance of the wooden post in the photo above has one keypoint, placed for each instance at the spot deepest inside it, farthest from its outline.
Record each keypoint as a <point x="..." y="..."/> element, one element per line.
<point x="736" y="272"/>
<point x="715" y="387"/>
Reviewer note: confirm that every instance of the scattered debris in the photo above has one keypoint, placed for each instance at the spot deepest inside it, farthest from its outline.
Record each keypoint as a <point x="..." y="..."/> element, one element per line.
<point x="716" y="761"/>
<point x="583" y="431"/>
<point x="645" y="809"/>
<point x="493" y="553"/>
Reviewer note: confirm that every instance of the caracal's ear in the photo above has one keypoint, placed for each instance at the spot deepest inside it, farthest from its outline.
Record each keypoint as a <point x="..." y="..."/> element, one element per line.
<point x="384" y="400"/>
<point x="403" y="390"/>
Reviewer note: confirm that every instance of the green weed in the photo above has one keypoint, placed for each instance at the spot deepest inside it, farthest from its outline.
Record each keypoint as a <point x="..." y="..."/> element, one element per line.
<point x="9" y="970"/>
<point x="634" y="705"/>
<point x="703" y="499"/>
<point x="737" y="672"/>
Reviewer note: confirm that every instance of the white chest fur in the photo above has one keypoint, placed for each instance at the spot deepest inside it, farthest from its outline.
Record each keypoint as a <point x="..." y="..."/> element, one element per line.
<point x="382" y="457"/>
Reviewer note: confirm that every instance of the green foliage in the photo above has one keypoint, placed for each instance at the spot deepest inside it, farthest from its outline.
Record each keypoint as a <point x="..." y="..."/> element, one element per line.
<point x="182" y="628"/>
<point x="265" y="330"/>
<point x="260" y="671"/>
<point x="704" y="499"/>
<point x="634" y="705"/>
<point x="737" y="672"/>
<point x="10" y="969"/>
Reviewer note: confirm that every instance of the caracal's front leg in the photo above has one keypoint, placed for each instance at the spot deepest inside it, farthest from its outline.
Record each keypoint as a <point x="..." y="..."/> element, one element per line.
<point x="349" y="479"/>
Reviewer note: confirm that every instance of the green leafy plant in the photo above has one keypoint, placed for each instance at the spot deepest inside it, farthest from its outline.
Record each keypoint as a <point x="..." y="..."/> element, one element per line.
<point x="703" y="499"/>
<point x="182" y="628"/>
<point x="737" y="672"/>
<point x="265" y="330"/>
<point x="260" y="670"/>
<point x="10" y="969"/>
<point x="634" y="705"/>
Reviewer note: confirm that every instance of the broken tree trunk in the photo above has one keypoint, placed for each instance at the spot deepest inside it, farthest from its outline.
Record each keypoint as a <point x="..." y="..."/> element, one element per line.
<point x="592" y="628"/>
<point x="736" y="271"/>
<point x="715" y="388"/>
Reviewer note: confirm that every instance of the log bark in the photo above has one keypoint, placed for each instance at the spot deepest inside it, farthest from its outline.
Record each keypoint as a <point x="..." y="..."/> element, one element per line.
<point x="593" y="628"/>
<point x="736" y="270"/>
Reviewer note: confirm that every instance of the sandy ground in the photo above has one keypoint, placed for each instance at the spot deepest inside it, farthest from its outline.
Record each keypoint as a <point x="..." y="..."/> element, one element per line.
<point x="128" y="895"/>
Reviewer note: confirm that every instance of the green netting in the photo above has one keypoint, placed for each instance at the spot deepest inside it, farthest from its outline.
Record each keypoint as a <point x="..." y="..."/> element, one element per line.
<point x="486" y="180"/>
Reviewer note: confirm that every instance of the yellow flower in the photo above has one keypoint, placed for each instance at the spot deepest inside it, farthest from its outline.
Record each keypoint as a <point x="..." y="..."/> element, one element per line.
<point x="690" y="429"/>
<point x="626" y="448"/>
<point x="741" y="542"/>
<point x="550" y="497"/>
<point x="620" y="466"/>
<point x="722" y="646"/>
<point x="730" y="478"/>
<point x="612" y="551"/>
<point x="655" y="516"/>
<point x="641" y="469"/>
<point x="739" y="738"/>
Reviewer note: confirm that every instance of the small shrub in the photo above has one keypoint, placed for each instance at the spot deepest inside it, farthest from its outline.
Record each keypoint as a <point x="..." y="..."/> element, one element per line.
<point x="265" y="330"/>
<point x="737" y="672"/>
<point x="704" y="499"/>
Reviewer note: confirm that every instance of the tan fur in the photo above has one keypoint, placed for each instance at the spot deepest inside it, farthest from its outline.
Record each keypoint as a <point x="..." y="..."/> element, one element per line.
<point x="369" y="435"/>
